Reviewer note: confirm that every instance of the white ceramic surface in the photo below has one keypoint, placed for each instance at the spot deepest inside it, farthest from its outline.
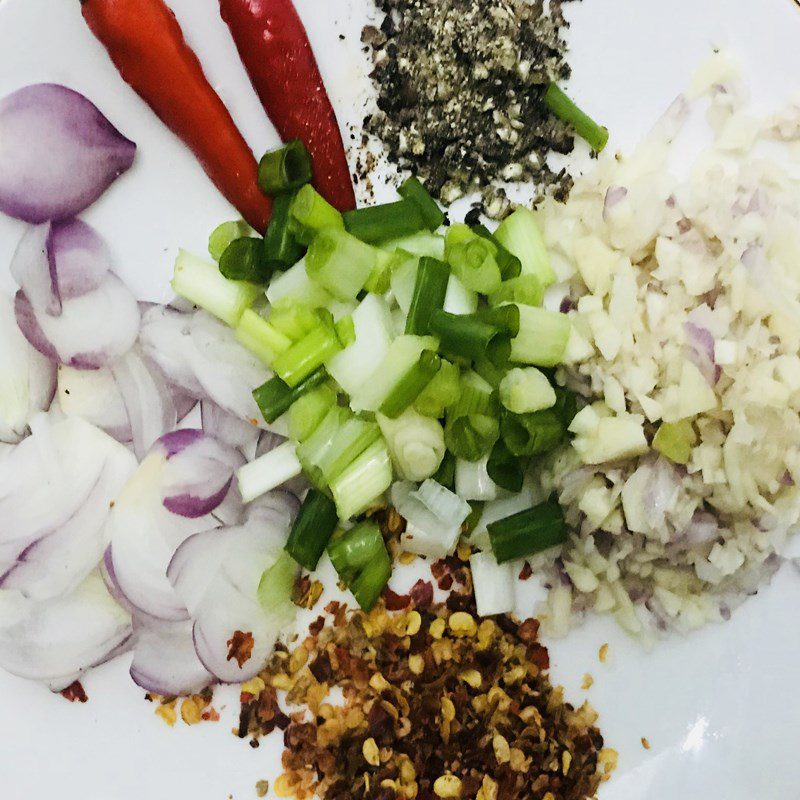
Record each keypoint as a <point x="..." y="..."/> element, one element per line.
<point x="720" y="708"/>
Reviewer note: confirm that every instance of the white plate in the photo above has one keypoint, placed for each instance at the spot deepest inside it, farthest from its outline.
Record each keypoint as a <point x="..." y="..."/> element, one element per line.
<point x="720" y="708"/>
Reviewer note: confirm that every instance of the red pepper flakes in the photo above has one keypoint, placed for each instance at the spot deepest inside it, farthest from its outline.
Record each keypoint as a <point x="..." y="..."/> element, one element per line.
<point x="422" y="593"/>
<point x="75" y="693"/>
<point x="525" y="572"/>
<point x="394" y="601"/>
<point x="240" y="647"/>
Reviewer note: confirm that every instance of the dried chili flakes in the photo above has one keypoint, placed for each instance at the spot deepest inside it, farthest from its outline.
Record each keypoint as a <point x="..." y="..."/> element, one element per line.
<point x="436" y="703"/>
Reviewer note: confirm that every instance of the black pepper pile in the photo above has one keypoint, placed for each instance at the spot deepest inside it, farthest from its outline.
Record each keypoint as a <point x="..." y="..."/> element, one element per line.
<point x="460" y="94"/>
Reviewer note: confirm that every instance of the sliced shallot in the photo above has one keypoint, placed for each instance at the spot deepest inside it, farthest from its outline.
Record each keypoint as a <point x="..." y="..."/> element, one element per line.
<point x="184" y="478"/>
<point x="165" y="661"/>
<point x="56" y="487"/>
<point x="56" y="640"/>
<point x="220" y="575"/>
<point x="27" y="378"/>
<point x="200" y="355"/>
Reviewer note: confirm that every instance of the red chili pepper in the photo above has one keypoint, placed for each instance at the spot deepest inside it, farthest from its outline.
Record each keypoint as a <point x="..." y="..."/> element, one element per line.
<point x="277" y="55"/>
<point x="146" y="44"/>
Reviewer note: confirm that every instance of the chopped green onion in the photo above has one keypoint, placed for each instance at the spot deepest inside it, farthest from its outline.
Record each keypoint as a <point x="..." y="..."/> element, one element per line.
<point x="472" y="436"/>
<point x="307" y="354"/>
<point x="566" y="406"/>
<point x="596" y="136"/>
<point x="430" y="289"/>
<point x="294" y="321"/>
<point x="446" y="474"/>
<point x="268" y="472"/>
<point x="275" y="589"/>
<point x="285" y="169"/>
<point x="542" y="338"/>
<point x="472" y="427"/>
<point x="224" y="234"/>
<point x="510" y="265"/>
<point x="340" y="262"/>
<point x="403" y="278"/>
<point x="524" y="289"/>
<point x="675" y="440"/>
<point x="408" y="388"/>
<point x="420" y="244"/>
<point x="380" y="277"/>
<point x="402" y="353"/>
<point x="475" y="514"/>
<point x="275" y="397"/>
<point x="364" y="481"/>
<point x="202" y="284"/>
<point x="260" y="337"/>
<point x="532" y="434"/>
<point x="416" y="444"/>
<point x="380" y="223"/>
<point x="338" y="441"/>
<point x="281" y="248"/>
<point x="312" y="530"/>
<point x="504" y="468"/>
<point x="346" y="331"/>
<point x="524" y="391"/>
<point x="520" y="235"/>
<point x="362" y="561"/>
<point x="308" y="411"/>
<point x="475" y="396"/>
<point x="368" y="585"/>
<point x="355" y="549"/>
<point x="506" y="317"/>
<point x="441" y="392"/>
<point x="492" y="374"/>
<point x="472" y="259"/>
<point x="294" y="287"/>
<point x="528" y="532"/>
<point x="413" y="190"/>
<point x="469" y="337"/>
<point x="243" y="260"/>
<point x="311" y="213"/>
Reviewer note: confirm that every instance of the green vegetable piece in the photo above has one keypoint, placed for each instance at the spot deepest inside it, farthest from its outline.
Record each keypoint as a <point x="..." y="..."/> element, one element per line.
<point x="224" y="234"/>
<point x="281" y="248"/>
<point x="430" y="289"/>
<point x="520" y="235"/>
<point x="340" y="263"/>
<point x="311" y="213"/>
<point x="596" y="136"/>
<point x="528" y="532"/>
<point x="510" y="265"/>
<point x="408" y="388"/>
<point x="380" y="223"/>
<point x="285" y="169"/>
<point x="468" y="336"/>
<point x="243" y="260"/>
<point x="275" y="397"/>
<point x="504" y="468"/>
<point x="312" y="529"/>
<point x="413" y="190"/>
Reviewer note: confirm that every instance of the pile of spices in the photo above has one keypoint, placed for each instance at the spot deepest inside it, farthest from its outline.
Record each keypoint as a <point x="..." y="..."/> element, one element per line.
<point x="436" y="704"/>
<point x="461" y="87"/>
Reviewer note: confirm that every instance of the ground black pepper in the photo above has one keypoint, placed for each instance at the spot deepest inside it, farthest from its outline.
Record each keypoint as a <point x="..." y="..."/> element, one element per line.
<point x="460" y="86"/>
